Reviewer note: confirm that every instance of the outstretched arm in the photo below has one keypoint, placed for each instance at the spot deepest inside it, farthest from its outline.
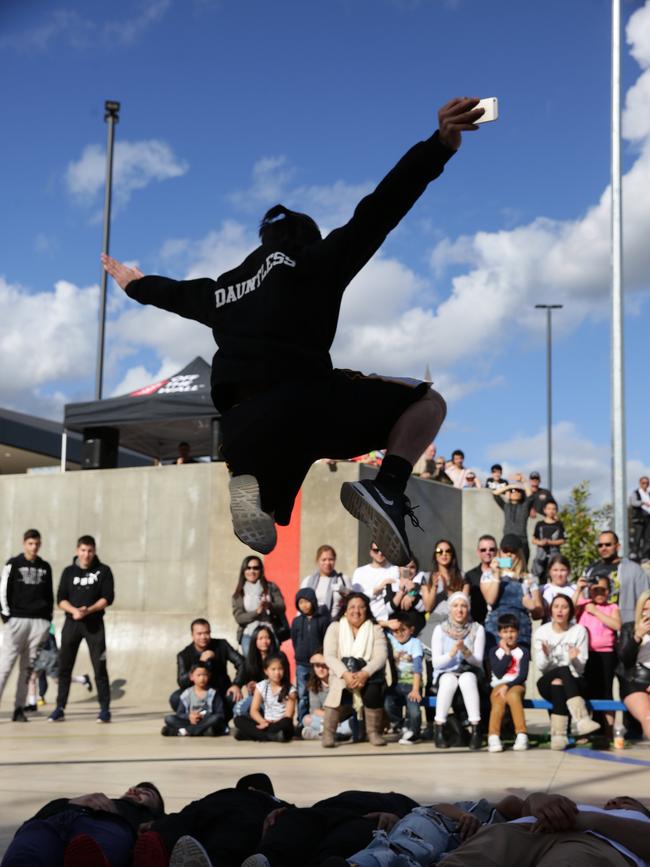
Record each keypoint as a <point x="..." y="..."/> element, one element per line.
<point x="347" y="249"/>
<point x="193" y="299"/>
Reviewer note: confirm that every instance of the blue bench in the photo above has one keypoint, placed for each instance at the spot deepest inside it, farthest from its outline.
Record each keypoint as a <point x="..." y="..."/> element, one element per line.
<point x="542" y="704"/>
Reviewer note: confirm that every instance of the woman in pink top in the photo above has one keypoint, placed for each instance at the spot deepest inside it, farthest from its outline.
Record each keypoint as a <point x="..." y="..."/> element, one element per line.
<point x="602" y="620"/>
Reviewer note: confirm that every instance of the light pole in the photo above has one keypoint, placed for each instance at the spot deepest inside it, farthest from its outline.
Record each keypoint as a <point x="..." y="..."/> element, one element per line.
<point x="111" y="114"/>
<point x="618" y="395"/>
<point x="549" y="393"/>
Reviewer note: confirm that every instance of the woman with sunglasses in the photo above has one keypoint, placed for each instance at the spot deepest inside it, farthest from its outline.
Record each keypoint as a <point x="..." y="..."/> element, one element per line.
<point x="257" y="600"/>
<point x="508" y="589"/>
<point x="445" y="579"/>
<point x="561" y="652"/>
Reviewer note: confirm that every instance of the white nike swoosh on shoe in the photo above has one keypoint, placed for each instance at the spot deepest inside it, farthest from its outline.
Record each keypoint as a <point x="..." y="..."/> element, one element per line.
<point x="383" y="498"/>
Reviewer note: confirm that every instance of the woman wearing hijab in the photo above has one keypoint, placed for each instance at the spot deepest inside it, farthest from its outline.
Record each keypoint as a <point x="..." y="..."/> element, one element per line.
<point x="457" y="656"/>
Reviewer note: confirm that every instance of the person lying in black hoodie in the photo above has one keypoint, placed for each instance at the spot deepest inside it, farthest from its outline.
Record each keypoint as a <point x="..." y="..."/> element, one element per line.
<point x="308" y="630"/>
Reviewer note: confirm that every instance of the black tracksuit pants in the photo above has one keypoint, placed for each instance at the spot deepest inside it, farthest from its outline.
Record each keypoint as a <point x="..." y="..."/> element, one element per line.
<point x="92" y="631"/>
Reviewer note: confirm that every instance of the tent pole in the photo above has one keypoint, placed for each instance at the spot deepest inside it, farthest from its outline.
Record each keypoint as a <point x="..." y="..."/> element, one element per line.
<point x="64" y="449"/>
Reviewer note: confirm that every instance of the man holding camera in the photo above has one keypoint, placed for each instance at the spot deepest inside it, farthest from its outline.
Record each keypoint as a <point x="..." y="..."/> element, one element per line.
<point x="627" y="579"/>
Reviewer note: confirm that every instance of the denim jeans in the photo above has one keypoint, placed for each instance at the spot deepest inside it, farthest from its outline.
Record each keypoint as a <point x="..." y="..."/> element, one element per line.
<point x="396" y="699"/>
<point x="302" y="673"/>
<point x="42" y="842"/>
<point x="417" y="840"/>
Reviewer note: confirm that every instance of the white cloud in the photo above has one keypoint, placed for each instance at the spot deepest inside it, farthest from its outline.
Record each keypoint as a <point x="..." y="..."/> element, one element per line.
<point x="136" y="165"/>
<point x="126" y="31"/>
<point x="139" y="376"/>
<point x="575" y="458"/>
<point x="45" y="338"/>
<point x="330" y="205"/>
<point x="65" y="27"/>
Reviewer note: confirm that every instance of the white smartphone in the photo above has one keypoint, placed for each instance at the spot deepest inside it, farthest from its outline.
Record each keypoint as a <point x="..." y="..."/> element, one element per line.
<point x="491" y="106"/>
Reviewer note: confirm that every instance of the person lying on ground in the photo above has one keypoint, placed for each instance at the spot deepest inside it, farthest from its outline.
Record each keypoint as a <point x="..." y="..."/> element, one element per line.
<point x="87" y="831"/>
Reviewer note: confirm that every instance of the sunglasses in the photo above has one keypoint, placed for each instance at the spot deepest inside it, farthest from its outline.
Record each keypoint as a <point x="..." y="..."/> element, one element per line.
<point x="605" y="544"/>
<point x="487" y="550"/>
<point x="508" y="551"/>
<point x="443" y="551"/>
<point x="254" y="568"/>
<point x="375" y="550"/>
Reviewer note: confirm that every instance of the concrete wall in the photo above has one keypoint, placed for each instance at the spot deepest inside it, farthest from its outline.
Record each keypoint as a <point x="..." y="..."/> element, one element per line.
<point x="167" y="535"/>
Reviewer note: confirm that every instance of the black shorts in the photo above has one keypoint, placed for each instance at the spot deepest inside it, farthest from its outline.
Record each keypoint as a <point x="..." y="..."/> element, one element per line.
<point x="278" y="434"/>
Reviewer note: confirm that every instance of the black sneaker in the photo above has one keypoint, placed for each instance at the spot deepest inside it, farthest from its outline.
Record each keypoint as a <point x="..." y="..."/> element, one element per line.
<point x="251" y="524"/>
<point x="57" y="715"/>
<point x="476" y="739"/>
<point x="88" y="683"/>
<point x="30" y="708"/>
<point x="383" y="513"/>
<point x="19" y="715"/>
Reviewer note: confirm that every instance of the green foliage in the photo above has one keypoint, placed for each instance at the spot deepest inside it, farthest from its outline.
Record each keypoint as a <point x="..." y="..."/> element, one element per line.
<point x="582" y="525"/>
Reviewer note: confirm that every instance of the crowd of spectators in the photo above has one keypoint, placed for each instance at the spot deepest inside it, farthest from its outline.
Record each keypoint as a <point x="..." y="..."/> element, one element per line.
<point x="368" y="648"/>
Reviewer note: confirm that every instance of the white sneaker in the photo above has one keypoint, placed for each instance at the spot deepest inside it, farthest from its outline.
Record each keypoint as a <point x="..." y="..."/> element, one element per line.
<point x="521" y="742"/>
<point x="408" y="737"/>
<point x="309" y="734"/>
<point x="494" y="744"/>
<point x="251" y="525"/>
<point x="188" y="852"/>
<point x="182" y="733"/>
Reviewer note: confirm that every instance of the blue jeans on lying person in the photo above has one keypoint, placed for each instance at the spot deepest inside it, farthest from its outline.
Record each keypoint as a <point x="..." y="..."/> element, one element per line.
<point x="395" y="699"/>
<point x="421" y="837"/>
<point x="42" y="842"/>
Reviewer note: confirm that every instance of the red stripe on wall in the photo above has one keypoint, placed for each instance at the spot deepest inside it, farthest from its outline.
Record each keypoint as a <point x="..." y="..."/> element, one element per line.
<point x="282" y="566"/>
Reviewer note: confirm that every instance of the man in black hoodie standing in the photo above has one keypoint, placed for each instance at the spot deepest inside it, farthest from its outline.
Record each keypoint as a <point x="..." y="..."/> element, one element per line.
<point x="274" y="318"/>
<point x="85" y="591"/>
<point x="308" y="630"/>
<point x="26" y="602"/>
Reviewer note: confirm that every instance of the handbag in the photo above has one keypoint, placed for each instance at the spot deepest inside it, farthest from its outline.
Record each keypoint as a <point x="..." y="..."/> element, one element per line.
<point x="355" y="663"/>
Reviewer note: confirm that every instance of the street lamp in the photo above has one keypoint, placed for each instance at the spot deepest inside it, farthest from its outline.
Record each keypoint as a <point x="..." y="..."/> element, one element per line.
<point x="549" y="401"/>
<point x="618" y="394"/>
<point x="111" y="114"/>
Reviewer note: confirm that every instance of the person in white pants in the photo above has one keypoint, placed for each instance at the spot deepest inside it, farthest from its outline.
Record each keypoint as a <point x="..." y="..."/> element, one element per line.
<point x="457" y="652"/>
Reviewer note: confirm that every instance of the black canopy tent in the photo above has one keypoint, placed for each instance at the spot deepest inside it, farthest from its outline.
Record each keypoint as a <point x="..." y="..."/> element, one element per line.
<point x="154" y="419"/>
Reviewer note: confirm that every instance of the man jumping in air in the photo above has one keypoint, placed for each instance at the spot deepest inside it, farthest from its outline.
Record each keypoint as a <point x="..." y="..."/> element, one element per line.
<point x="274" y="319"/>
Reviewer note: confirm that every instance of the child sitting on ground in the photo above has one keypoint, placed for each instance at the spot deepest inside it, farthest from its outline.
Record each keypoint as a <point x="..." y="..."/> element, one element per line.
<point x="200" y="708"/>
<point x="308" y="630"/>
<point x="509" y="665"/>
<point x="318" y="684"/>
<point x="406" y="690"/>
<point x="274" y="703"/>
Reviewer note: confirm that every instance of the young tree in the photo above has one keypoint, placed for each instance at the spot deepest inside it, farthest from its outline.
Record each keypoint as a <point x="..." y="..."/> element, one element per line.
<point x="582" y="525"/>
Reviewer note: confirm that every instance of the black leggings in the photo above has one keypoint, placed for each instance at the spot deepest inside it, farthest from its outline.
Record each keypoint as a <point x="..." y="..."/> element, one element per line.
<point x="372" y="695"/>
<point x="599" y="674"/>
<point x="248" y="730"/>
<point x="571" y="687"/>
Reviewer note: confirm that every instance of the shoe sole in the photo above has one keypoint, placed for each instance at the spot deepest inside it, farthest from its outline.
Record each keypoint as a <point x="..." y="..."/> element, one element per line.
<point x="362" y="506"/>
<point x="188" y="852"/>
<point x="251" y="525"/>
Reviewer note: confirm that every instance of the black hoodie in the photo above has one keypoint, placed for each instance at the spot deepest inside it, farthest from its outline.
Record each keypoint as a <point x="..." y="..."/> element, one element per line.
<point x="308" y="633"/>
<point x="274" y="317"/>
<point x="26" y="589"/>
<point x="86" y="586"/>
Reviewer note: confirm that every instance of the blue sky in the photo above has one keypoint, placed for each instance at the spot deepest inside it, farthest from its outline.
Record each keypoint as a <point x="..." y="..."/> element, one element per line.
<point x="229" y="107"/>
